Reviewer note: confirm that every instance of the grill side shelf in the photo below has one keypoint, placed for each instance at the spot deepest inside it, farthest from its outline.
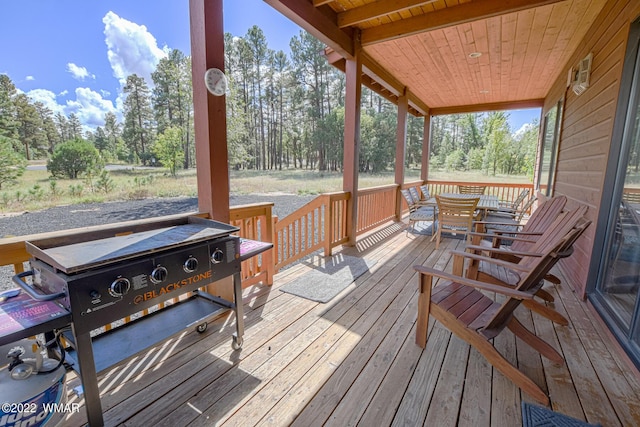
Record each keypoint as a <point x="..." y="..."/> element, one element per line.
<point x="123" y="342"/>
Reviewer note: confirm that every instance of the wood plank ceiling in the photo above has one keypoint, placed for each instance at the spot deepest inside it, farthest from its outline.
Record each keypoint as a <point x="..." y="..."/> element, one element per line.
<point x="430" y="47"/>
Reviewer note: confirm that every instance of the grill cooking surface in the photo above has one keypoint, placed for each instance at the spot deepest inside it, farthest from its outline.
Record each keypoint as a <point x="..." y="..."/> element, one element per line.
<point x="82" y="256"/>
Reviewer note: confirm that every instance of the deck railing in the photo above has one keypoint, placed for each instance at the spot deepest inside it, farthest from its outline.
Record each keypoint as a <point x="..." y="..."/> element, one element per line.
<point x="255" y="223"/>
<point x="320" y="224"/>
<point x="505" y="191"/>
<point x="376" y="206"/>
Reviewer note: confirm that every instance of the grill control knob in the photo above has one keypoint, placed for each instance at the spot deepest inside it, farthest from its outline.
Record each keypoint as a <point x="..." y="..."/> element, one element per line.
<point x="217" y="256"/>
<point x="190" y="265"/>
<point x="159" y="274"/>
<point x="119" y="287"/>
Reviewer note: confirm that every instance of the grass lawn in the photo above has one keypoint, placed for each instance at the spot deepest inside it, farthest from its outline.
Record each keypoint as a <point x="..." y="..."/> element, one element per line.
<point x="35" y="190"/>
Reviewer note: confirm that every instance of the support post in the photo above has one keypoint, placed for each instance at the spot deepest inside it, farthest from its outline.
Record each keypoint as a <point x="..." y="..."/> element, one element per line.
<point x="353" y="71"/>
<point x="210" y="118"/>
<point x="426" y="146"/>
<point x="401" y="148"/>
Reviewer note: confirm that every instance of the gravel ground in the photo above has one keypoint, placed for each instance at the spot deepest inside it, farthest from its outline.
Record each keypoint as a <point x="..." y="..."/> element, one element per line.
<point x="83" y="215"/>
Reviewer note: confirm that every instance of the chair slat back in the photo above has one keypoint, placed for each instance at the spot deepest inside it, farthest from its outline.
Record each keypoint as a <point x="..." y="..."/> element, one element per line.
<point x="414" y="193"/>
<point x="518" y="201"/>
<point x="409" y="199"/>
<point x="525" y="209"/>
<point x="560" y="227"/>
<point x="456" y="213"/>
<point x="471" y="189"/>
<point x="425" y="192"/>
<point x="541" y="219"/>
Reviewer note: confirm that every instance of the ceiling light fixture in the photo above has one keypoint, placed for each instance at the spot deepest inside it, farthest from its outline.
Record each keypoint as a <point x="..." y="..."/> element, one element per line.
<point x="475" y="54"/>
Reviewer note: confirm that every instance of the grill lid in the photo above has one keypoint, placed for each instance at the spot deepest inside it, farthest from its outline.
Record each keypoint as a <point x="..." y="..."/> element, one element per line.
<point x="76" y="257"/>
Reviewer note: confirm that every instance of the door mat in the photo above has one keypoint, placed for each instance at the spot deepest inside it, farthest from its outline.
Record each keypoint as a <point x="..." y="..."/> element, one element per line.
<point x="329" y="278"/>
<point x="538" y="416"/>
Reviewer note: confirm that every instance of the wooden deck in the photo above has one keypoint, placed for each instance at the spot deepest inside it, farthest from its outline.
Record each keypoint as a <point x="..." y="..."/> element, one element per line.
<point x="354" y="360"/>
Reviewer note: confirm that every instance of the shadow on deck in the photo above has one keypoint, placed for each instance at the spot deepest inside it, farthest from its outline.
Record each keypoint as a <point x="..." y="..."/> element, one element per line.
<point x="353" y="361"/>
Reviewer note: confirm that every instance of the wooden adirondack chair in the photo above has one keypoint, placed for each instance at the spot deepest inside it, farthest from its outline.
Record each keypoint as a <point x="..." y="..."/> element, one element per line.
<point x="514" y="206"/>
<point x="508" y="221"/>
<point x="523" y="240"/>
<point x="461" y="306"/>
<point x="501" y="273"/>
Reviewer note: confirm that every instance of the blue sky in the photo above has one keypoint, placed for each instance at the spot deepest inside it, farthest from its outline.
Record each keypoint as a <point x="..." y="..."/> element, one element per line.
<point x="73" y="55"/>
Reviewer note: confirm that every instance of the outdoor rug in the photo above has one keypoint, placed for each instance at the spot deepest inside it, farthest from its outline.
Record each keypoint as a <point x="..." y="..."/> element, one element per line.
<point x="329" y="277"/>
<point x="538" y="416"/>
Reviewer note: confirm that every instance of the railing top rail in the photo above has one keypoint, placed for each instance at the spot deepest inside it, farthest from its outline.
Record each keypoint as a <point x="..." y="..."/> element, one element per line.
<point x="249" y="210"/>
<point x="338" y="195"/>
<point x="377" y="189"/>
<point x="251" y="205"/>
<point x="488" y="183"/>
<point x="411" y="184"/>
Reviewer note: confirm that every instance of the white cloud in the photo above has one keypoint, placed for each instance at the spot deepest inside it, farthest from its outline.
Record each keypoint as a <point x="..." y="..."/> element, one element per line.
<point x="523" y="129"/>
<point x="29" y="78"/>
<point x="90" y="107"/>
<point x="131" y="48"/>
<point x="79" y="73"/>
<point x="47" y="98"/>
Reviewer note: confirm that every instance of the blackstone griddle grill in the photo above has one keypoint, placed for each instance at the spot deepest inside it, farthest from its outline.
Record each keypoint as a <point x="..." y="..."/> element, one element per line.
<point x="104" y="280"/>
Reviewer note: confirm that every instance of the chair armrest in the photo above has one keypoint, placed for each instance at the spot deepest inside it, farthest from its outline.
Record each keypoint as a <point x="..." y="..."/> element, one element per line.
<point x="520" y="233"/>
<point x="493" y="224"/>
<point x="499" y="251"/>
<point x="496" y="261"/>
<point x="504" y="212"/>
<point x="510" y="292"/>
<point x="500" y="237"/>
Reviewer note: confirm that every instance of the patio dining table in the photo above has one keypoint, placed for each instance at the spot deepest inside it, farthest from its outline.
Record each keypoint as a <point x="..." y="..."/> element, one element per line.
<point x="486" y="203"/>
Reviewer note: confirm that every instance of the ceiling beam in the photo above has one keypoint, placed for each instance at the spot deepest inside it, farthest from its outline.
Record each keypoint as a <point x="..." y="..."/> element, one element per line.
<point x="447" y="17"/>
<point x="320" y="22"/>
<point x="380" y="81"/>
<point x="382" y="76"/>
<point x="391" y="83"/>
<point x="317" y="3"/>
<point x="495" y="106"/>
<point x="416" y="103"/>
<point x="375" y="10"/>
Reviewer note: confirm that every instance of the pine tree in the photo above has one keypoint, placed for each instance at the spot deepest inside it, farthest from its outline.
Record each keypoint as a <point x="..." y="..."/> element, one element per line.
<point x="8" y="123"/>
<point x="30" y="126"/>
<point x="138" y="123"/>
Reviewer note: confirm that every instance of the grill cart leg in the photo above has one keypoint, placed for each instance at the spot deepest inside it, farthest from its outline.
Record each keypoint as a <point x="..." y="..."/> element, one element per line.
<point x="239" y="310"/>
<point x="89" y="379"/>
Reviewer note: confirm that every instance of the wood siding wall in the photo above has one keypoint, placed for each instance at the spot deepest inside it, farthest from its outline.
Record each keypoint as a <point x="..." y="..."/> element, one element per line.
<point x="587" y="124"/>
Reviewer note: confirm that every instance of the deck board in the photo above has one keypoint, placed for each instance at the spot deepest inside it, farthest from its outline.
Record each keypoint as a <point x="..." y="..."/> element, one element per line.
<point x="354" y="361"/>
